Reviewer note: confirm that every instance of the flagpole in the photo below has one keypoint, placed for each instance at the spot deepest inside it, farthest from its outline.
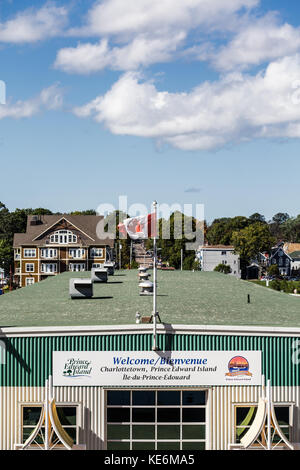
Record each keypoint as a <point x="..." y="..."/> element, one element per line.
<point x="154" y="314"/>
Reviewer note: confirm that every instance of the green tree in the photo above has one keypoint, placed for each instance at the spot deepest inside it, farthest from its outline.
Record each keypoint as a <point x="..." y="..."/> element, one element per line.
<point x="273" y="270"/>
<point x="221" y="230"/>
<point x="223" y="268"/>
<point x="6" y="255"/>
<point x="86" y="212"/>
<point x="291" y="229"/>
<point x="277" y="225"/>
<point x="257" y="218"/>
<point x="252" y="240"/>
<point x="170" y="244"/>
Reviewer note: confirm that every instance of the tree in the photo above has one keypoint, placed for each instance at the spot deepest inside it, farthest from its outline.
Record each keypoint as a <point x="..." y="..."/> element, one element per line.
<point x="291" y="229"/>
<point x="170" y="243"/>
<point x="277" y="225"/>
<point x="221" y="230"/>
<point x="6" y="255"/>
<point x="223" y="268"/>
<point x="257" y="218"/>
<point x="86" y="212"/>
<point x="273" y="270"/>
<point x="252" y="240"/>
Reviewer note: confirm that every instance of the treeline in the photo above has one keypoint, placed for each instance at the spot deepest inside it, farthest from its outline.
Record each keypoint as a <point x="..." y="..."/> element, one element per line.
<point x="249" y="235"/>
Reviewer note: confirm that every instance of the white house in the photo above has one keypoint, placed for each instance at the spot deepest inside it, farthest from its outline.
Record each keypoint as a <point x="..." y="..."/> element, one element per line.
<point x="211" y="256"/>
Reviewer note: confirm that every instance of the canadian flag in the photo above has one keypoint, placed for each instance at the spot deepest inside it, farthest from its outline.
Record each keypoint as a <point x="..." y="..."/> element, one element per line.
<point x="140" y="227"/>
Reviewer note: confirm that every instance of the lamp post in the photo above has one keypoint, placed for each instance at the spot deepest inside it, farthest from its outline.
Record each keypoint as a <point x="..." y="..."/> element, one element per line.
<point x="10" y="279"/>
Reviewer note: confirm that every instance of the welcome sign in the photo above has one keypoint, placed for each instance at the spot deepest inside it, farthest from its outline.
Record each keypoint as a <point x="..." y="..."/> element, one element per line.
<point x="149" y="368"/>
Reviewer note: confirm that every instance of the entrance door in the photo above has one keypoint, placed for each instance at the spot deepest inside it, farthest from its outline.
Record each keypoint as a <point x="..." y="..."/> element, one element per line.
<point x="156" y="419"/>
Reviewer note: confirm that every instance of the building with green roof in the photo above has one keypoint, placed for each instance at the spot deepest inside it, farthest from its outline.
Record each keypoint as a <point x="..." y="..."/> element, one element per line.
<point x="185" y="396"/>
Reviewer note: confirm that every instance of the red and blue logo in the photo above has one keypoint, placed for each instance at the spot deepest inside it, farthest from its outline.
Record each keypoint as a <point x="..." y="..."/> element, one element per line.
<point x="237" y="366"/>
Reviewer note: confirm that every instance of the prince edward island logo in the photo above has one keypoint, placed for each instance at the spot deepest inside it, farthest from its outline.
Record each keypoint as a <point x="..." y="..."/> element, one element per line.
<point x="238" y="366"/>
<point x="77" y="368"/>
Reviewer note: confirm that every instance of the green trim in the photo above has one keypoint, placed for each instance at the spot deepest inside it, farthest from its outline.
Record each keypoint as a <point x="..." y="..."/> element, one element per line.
<point x="29" y="359"/>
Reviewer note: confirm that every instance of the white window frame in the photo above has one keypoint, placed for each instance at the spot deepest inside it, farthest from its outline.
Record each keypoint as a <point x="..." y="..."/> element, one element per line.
<point x="76" y="253"/>
<point x="31" y="279"/>
<point x="97" y="265"/>
<point x="80" y="265"/>
<point x="95" y="252"/>
<point x="63" y="237"/>
<point x="31" y="254"/>
<point x="59" y="404"/>
<point x="289" y="405"/>
<point x="53" y="271"/>
<point x="48" y="253"/>
<point x="27" y="268"/>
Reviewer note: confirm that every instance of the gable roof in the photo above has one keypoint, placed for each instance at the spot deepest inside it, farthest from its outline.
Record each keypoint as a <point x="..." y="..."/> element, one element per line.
<point x="291" y="247"/>
<point x="280" y="249"/>
<point x="295" y="255"/>
<point x="86" y="224"/>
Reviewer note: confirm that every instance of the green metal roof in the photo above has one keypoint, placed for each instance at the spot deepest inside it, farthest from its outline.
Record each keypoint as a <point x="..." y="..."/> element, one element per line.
<point x="295" y="255"/>
<point x="190" y="298"/>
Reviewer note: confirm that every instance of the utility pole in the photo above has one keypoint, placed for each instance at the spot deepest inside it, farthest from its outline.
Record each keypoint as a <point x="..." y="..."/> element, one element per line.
<point x="181" y="259"/>
<point x="130" y="262"/>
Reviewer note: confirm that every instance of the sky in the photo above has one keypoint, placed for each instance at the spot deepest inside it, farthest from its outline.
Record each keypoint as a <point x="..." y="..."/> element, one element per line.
<point x="187" y="102"/>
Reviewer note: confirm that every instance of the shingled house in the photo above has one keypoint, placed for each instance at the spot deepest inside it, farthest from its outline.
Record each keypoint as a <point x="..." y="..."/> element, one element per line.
<point x="53" y="244"/>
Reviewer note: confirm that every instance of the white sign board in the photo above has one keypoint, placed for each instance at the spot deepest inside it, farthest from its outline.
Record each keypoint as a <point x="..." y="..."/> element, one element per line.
<point x="156" y="369"/>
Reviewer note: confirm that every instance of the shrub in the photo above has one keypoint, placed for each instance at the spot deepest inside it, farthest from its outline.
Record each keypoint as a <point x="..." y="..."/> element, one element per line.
<point x="223" y="268"/>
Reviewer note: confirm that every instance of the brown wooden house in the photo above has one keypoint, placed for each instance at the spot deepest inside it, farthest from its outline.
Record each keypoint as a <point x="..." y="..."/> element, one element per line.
<point x="53" y="244"/>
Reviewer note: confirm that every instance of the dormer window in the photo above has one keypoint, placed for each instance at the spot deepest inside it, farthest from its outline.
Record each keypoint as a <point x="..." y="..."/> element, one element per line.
<point x="63" y="237"/>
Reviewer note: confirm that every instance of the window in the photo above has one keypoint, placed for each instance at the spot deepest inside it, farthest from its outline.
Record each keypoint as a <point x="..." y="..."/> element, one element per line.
<point x="76" y="253"/>
<point x="97" y="252"/>
<point x="244" y="417"/>
<point x="63" y="237"/>
<point x="29" y="281"/>
<point x="49" y="268"/>
<point x="29" y="252"/>
<point x="156" y="419"/>
<point x="224" y="253"/>
<point x="97" y="265"/>
<point x="76" y="267"/>
<point x="67" y="416"/>
<point x="29" y="267"/>
<point x="49" y="253"/>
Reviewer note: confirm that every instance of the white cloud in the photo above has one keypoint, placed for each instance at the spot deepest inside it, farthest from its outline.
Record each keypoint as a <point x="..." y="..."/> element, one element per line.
<point x="33" y="24"/>
<point x="142" y="51"/>
<point x="50" y="98"/>
<point x="236" y="108"/>
<point x="119" y="17"/>
<point x="140" y="33"/>
<point x="258" y="42"/>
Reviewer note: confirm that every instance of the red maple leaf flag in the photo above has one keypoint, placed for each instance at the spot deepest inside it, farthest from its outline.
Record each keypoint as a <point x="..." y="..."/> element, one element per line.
<point x="140" y="227"/>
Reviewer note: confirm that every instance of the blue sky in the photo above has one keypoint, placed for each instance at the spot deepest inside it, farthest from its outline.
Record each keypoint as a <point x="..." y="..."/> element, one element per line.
<point x="197" y="103"/>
